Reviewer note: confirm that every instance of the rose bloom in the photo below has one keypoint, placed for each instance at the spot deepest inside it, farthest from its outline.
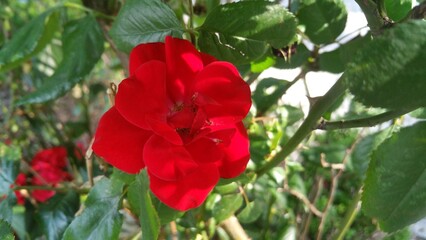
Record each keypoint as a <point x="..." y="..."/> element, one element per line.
<point x="49" y="165"/>
<point x="179" y="114"/>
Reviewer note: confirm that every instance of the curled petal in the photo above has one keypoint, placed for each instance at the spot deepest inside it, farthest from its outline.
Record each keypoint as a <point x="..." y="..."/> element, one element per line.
<point x="167" y="161"/>
<point x="188" y="192"/>
<point x="236" y="154"/>
<point x="120" y="143"/>
<point x="222" y="93"/>
<point x="144" y="53"/>
<point x="143" y="94"/>
<point x="183" y="63"/>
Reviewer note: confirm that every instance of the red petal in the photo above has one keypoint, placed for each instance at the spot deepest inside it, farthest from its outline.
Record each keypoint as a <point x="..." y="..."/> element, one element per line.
<point x="144" y="53"/>
<point x="237" y="154"/>
<point x="120" y="143"/>
<point x="55" y="156"/>
<point x="205" y="150"/>
<point x="222" y="93"/>
<point x="143" y="94"/>
<point x="183" y="63"/>
<point x="188" y="192"/>
<point x="161" y="128"/>
<point x="167" y="161"/>
<point x="207" y="58"/>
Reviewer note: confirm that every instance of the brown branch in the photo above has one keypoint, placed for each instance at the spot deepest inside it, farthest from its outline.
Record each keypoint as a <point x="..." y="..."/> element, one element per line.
<point x="334" y="184"/>
<point x="418" y="12"/>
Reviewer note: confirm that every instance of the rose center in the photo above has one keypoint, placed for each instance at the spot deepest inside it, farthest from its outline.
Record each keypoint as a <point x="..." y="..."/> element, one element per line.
<point x="187" y="118"/>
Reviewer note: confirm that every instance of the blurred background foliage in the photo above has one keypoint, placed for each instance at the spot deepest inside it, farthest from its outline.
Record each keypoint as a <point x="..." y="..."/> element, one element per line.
<point x="314" y="194"/>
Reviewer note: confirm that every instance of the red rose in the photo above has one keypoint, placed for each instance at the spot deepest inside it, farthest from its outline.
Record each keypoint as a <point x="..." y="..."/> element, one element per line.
<point x="48" y="165"/>
<point x="55" y="156"/>
<point x="179" y="115"/>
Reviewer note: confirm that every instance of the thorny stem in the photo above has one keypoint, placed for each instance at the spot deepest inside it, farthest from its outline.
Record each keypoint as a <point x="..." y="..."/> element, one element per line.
<point x="321" y="106"/>
<point x="363" y="122"/>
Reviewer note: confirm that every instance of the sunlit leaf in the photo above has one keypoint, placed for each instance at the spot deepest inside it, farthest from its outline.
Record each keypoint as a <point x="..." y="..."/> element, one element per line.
<point x="242" y="32"/>
<point x="396" y="179"/>
<point x="390" y="71"/>
<point x="142" y="21"/>
<point x="324" y="20"/>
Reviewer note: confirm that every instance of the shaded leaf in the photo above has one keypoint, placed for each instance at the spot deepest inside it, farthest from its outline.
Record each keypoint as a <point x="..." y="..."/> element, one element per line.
<point x="6" y="231"/>
<point x="397" y="9"/>
<point x="29" y="40"/>
<point x="165" y="213"/>
<point x="57" y="213"/>
<point x="100" y="219"/>
<point x="361" y="155"/>
<point x="390" y="71"/>
<point x="268" y="92"/>
<point x="140" y="200"/>
<point x="324" y="20"/>
<point x="6" y="205"/>
<point x="251" y="212"/>
<point x="242" y="32"/>
<point x="331" y="61"/>
<point x="395" y="187"/>
<point x="419" y="113"/>
<point x="142" y="21"/>
<point x="226" y="206"/>
<point x="83" y="45"/>
<point x="9" y="166"/>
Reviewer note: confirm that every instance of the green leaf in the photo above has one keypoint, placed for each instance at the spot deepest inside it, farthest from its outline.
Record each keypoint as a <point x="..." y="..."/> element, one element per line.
<point x="324" y="20"/>
<point x="331" y="61"/>
<point x="251" y="212"/>
<point x="100" y="219"/>
<point x="142" y="21"/>
<point x="166" y="214"/>
<point x="390" y="71"/>
<point x="226" y="206"/>
<point x="242" y="32"/>
<point x="419" y="113"/>
<point x="9" y="166"/>
<point x="83" y="45"/>
<point x="397" y="9"/>
<point x="268" y="92"/>
<point x="57" y="214"/>
<point x="29" y="40"/>
<point x="6" y="231"/>
<point x="6" y="205"/>
<point x="140" y="200"/>
<point x="396" y="179"/>
<point x="361" y="155"/>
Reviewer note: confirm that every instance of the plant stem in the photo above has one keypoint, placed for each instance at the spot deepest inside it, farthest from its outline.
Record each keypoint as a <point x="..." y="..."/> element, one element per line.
<point x="191" y="21"/>
<point x="50" y="188"/>
<point x="363" y="122"/>
<point x="83" y="8"/>
<point x="317" y="110"/>
<point x="375" y="15"/>
<point x="350" y="216"/>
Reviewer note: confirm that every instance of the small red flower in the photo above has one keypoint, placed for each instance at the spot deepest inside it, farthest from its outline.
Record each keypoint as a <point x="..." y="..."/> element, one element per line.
<point x="179" y="114"/>
<point x="48" y="166"/>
